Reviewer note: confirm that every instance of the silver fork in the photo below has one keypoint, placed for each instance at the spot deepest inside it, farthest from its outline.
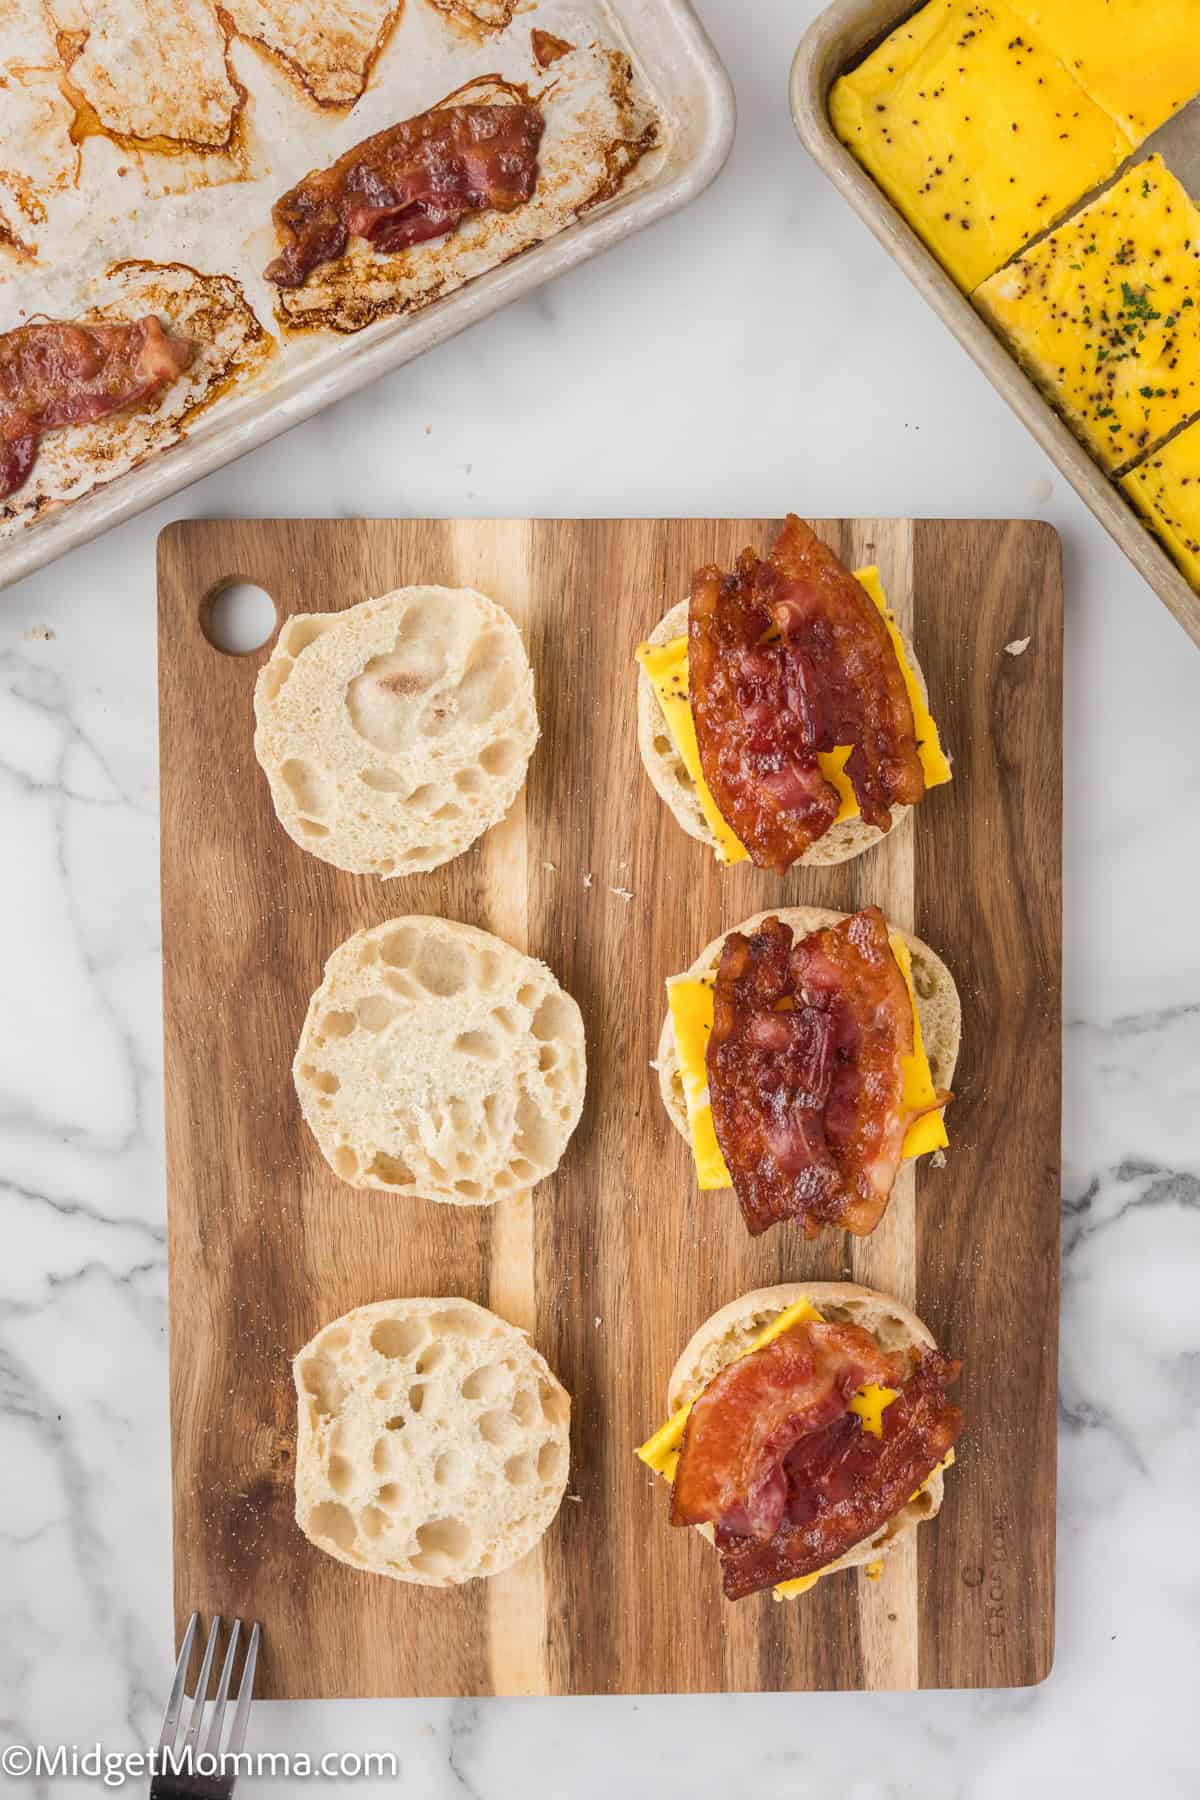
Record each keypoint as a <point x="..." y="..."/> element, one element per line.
<point x="181" y="1779"/>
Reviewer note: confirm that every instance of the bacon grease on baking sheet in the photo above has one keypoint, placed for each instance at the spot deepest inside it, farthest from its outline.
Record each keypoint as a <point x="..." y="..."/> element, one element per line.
<point x="547" y="48"/>
<point x="60" y="373"/>
<point x="788" y="657"/>
<point x="786" y="1475"/>
<point x="183" y="97"/>
<point x="414" y="181"/>
<point x="330" y="51"/>
<point x="477" y="17"/>
<point x="187" y="97"/>
<point x="806" y="1072"/>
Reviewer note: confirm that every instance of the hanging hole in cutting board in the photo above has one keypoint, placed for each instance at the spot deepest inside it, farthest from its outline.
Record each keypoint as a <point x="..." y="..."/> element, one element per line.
<point x="238" y="617"/>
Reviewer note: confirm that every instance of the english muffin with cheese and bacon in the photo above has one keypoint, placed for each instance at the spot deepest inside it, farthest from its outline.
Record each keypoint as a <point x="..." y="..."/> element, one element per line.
<point x="804" y="1056"/>
<point x="782" y="714"/>
<point x="809" y="1432"/>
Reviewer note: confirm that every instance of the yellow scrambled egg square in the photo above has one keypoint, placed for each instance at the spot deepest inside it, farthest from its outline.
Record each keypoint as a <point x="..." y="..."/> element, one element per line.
<point x="1105" y="313"/>
<point x="1138" y="59"/>
<point x="977" y="133"/>
<point x="1166" y="489"/>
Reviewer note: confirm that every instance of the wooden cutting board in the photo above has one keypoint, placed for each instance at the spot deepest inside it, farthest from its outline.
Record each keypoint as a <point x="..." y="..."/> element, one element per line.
<point x="615" y="1260"/>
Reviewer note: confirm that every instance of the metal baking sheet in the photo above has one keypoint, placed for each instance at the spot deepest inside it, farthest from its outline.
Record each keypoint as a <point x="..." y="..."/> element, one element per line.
<point x="838" y="40"/>
<point x="143" y="142"/>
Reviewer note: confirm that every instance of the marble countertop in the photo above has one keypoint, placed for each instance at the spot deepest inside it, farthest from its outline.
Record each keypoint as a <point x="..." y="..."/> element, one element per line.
<point x="686" y="380"/>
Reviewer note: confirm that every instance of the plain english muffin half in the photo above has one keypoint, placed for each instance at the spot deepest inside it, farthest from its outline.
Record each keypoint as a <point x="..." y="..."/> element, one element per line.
<point x="938" y="1006"/>
<point x="436" y="1060"/>
<point x="433" y="1441"/>
<point x="393" y="734"/>
<point x="672" y="782"/>
<point x="732" y="1330"/>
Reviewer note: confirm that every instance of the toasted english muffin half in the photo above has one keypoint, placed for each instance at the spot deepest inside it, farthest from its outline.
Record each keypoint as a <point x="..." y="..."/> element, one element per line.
<point x="433" y="1441"/>
<point x="733" y="1328"/>
<point x="671" y="781"/>
<point x="394" y="733"/>
<point x="938" y="1006"/>
<point x="436" y="1060"/>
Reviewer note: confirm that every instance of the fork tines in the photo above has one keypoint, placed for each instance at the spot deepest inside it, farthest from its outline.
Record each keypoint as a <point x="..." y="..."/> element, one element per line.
<point x="181" y="1779"/>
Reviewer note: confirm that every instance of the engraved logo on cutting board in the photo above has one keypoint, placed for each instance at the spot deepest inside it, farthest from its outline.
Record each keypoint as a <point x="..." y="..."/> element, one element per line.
<point x="991" y="1578"/>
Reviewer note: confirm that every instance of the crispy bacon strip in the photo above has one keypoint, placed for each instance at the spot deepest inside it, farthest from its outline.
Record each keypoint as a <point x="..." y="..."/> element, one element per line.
<point x="18" y="451"/>
<point x="58" y="373"/>
<point x="805" y="1072"/>
<point x="414" y="181"/>
<point x="786" y="1475"/>
<point x="764" y="705"/>
<point x="749" y="1416"/>
<point x="844" y="1484"/>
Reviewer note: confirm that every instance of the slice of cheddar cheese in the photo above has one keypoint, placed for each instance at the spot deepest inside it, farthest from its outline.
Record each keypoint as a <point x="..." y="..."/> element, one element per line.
<point x="666" y="667"/>
<point x="661" y="1452"/>
<point x="935" y="764"/>
<point x="691" y="1005"/>
<point x="1166" y="489"/>
<point x="1138" y="59"/>
<point x="690" y="1000"/>
<point x="975" y="131"/>
<point x="928" y="1130"/>
<point x="1105" y="314"/>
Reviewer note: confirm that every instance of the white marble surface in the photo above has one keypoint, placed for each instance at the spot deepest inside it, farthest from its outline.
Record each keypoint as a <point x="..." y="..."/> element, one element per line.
<point x="756" y="352"/>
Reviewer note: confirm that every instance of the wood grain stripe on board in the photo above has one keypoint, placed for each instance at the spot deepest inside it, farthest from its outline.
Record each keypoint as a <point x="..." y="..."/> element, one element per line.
<point x="887" y="1260"/>
<point x="988" y="1228"/>
<point x="614" y="1261"/>
<point x="493" y="556"/>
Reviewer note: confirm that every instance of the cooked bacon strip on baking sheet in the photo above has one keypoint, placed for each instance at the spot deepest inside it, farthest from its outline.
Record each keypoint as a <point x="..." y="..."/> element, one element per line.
<point x="414" y="181"/>
<point x="57" y="373"/>
<point x="786" y="1475"/>
<point x="806" y="1072"/>
<point x="788" y="657"/>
